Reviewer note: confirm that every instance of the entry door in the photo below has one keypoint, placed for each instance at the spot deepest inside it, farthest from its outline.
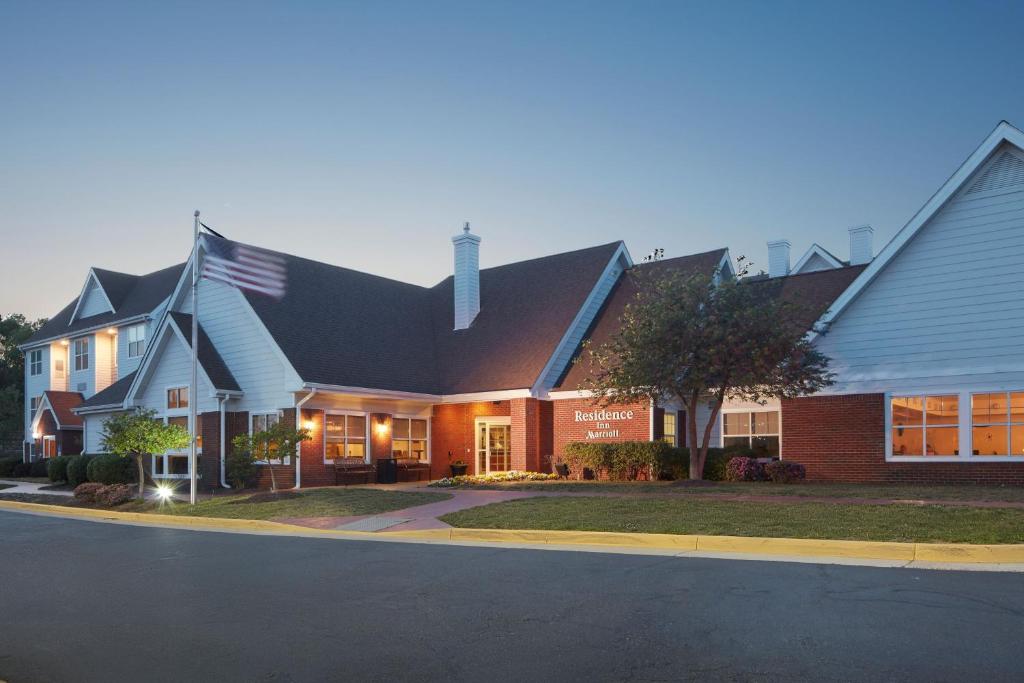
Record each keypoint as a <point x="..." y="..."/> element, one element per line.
<point x="493" y="446"/>
<point x="49" y="447"/>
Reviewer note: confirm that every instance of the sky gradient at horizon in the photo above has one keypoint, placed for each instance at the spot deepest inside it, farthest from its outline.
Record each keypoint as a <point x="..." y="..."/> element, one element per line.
<point x="364" y="134"/>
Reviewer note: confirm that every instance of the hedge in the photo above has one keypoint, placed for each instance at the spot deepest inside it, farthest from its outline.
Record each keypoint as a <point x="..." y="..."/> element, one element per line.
<point x="111" y="469"/>
<point x="57" y="468"/>
<point x="628" y="459"/>
<point x="7" y="466"/>
<point x="77" y="469"/>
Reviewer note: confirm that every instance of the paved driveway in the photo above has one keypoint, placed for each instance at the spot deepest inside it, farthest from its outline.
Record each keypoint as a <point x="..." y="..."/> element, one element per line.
<point x="84" y="601"/>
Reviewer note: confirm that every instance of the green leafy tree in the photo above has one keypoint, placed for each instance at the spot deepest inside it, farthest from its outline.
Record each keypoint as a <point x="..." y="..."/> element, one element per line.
<point x="136" y="435"/>
<point x="270" y="447"/>
<point x="15" y="329"/>
<point x="703" y="339"/>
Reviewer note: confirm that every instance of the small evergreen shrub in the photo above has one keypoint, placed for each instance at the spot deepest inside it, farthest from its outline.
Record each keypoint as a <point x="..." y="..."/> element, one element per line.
<point x="87" y="492"/>
<point x="785" y="472"/>
<point x="111" y="469"/>
<point x="21" y="469"/>
<point x="77" y="469"/>
<point x="38" y="468"/>
<point x="744" y="469"/>
<point x="57" y="468"/>
<point x="7" y="466"/>
<point x="240" y="469"/>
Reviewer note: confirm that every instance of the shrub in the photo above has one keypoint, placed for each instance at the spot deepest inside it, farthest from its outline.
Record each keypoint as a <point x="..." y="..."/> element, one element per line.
<point x="38" y="468"/>
<point x="21" y="469"/>
<point x="240" y="469"/>
<point x="785" y="472"/>
<point x="77" y="469"/>
<point x="7" y="466"/>
<point x="620" y="460"/>
<point x="497" y="477"/>
<point x="57" y="468"/>
<point x="744" y="469"/>
<point x="111" y="495"/>
<point x="111" y="469"/>
<point x="87" y="492"/>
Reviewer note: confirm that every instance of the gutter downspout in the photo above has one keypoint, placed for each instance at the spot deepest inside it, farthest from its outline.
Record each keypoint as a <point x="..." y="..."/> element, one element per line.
<point x="298" y="425"/>
<point x="223" y="479"/>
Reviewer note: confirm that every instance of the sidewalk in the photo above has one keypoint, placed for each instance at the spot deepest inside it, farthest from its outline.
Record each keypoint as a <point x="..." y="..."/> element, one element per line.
<point x="30" y="487"/>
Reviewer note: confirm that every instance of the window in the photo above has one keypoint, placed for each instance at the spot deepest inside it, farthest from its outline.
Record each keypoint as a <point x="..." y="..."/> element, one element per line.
<point x="136" y="337"/>
<point x="35" y="362"/>
<point x="174" y="464"/>
<point x="33" y="403"/>
<point x="345" y="437"/>
<point x="58" y="368"/>
<point x="409" y="439"/>
<point x="177" y="398"/>
<point x="925" y="425"/>
<point x="81" y="354"/>
<point x="669" y="428"/>
<point x="757" y="430"/>
<point x="261" y="422"/>
<point x="997" y="424"/>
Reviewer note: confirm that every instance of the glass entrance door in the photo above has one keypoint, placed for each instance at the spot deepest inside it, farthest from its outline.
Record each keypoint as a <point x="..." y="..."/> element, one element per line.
<point x="493" y="446"/>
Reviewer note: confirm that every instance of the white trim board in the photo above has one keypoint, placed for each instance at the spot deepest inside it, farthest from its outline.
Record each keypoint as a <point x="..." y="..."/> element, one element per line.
<point x="91" y="277"/>
<point x="819" y="251"/>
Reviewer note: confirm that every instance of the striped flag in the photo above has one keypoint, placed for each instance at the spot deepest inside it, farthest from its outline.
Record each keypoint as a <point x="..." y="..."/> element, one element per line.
<point x="247" y="268"/>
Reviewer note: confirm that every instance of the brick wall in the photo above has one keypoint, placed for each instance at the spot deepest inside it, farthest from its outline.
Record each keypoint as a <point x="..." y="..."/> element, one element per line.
<point x="453" y="432"/>
<point x="285" y="474"/>
<point x="566" y="429"/>
<point x="842" y="438"/>
<point x="314" y="471"/>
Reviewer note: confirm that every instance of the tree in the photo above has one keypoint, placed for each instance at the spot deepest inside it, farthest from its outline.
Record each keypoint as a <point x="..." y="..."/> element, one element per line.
<point x="704" y="339"/>
<point x="15" y="329"/>
<point x="136" y="435"/>
<point x="271" y="446"/>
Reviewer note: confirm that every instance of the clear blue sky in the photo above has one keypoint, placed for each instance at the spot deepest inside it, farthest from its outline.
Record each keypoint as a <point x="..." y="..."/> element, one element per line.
<point x="363" y="134"/>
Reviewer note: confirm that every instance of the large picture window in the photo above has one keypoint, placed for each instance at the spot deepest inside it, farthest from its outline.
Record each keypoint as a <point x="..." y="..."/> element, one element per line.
<point x="174" y="464"/>
<point x="409" y="438"/>
<point x="997" y="424"/>
<point x="81" y="354"/>
<point x="925" y="425"/>
<point x="758" y="430"/>
<point x="345" y="437"/>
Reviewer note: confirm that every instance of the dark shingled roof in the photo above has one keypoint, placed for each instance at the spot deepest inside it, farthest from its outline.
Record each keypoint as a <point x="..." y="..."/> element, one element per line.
<point x="112" y="395"/>
<point x="62" y="403"/>
<point x="132" y="295"/>
<point x="211" y="361"/>
<point x="814" y="292"/>
<point x="346" y="328"/>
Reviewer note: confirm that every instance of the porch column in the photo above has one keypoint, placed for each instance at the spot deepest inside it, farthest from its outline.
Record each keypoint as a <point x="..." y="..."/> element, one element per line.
<point x="526" y="434"/>
<point x="380" y="436"/>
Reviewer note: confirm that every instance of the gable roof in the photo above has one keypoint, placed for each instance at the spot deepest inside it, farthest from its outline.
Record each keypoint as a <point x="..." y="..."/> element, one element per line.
<point x="609" y="319"/>
<point x="816" y="250"/>
<point x="340" y="327"/>
<point x="113" y="395"/>
<point x="1003" y="133"/>
<point x="136" y="299"/>
<point x="212" y="363"/>
<point x="61" y="404"/>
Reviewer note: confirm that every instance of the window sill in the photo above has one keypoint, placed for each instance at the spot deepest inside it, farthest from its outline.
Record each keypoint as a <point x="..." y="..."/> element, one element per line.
<point x="954" y="458"/>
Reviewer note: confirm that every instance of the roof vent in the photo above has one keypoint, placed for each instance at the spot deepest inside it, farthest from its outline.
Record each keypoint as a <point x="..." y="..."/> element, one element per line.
<point x="778" y="258"/>
<point x="1006" y="171"/>
<point x="467" y="278"/>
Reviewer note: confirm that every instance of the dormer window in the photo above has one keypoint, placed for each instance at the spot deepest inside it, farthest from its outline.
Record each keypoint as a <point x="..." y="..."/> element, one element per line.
<point x="136" y="336"/>
<point x="81" y="354"/>
<point x="35" y="362"/>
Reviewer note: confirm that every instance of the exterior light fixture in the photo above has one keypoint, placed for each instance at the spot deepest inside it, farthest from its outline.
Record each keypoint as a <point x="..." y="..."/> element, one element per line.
<point x="381" y="426"/>
<point x="111" y="330"/>
<point x="36" y="435"/>
<point x="63" y="342"/>
<point x="308" y="424"/>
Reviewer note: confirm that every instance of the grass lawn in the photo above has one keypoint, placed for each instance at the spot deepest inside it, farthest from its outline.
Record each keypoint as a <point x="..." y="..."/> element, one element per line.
<point x="886" y="491"/>
<point x="925" y="523"/>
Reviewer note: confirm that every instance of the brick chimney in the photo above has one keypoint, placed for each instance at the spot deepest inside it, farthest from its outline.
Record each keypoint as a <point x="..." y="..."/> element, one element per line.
<point x="467" y="278"/>
<point x="778" y="258"/>
<point x="861" y="248"/>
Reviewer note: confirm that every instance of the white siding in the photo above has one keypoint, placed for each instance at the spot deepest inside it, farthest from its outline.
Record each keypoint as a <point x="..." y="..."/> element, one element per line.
<point x="103" y="359"/>
<point x="83" y="381"/>
<point x="35" y="386"/>
<point x="93" y="432"/>
<point x="814" y="263"/>
<point x="171" y="366"/>
<point x="94" y="301"/>
<point x="945" y="312"/>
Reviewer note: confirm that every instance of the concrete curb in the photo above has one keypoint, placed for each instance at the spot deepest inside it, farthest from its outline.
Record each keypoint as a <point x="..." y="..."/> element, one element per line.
<point x="932" y="553"/>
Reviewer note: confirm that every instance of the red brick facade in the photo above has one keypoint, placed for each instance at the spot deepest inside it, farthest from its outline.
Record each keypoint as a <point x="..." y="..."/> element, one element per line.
<point x="67" y="441"/>
<point x="453" y="433"/>
<point x="567" y="429"/>
<point x="842" y="438"/>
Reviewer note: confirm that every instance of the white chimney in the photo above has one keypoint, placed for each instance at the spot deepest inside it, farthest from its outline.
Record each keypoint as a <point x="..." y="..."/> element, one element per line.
<point x="861" y="249"/>
<point x="778" y="258"/>
<point x="467" y="278"/>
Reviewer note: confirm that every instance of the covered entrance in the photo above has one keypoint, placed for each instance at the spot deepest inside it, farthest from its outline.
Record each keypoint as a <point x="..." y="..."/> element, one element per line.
<point x="493" y="444"/>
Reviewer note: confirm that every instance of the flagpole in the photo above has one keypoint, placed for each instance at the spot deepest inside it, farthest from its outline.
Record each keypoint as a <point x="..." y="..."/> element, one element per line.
<point x="193" y="394"/>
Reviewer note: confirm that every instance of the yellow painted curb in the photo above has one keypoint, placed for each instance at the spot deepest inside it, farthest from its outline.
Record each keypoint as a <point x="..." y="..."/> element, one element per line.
<point x="960" y="553"/>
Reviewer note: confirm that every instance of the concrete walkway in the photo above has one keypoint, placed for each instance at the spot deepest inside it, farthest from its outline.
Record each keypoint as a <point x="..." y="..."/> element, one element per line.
<point x="30" y="487"/>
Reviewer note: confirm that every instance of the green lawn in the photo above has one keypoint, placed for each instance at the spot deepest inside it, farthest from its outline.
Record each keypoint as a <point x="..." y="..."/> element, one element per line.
<point x="326" y="502"/>
<point x="880" y="491"/>
<point x="805" y="520"/>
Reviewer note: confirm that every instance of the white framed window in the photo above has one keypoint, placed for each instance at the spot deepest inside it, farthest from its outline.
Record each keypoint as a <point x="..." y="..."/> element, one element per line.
<point x="174" y="464"/>
<point x="345" y="436"/>
<point x="261" y="422"/>
<point x="925" y="425"/>
<point x="33" y="404"/>
<point x="409" y="439"/>
<point x="136" y="338"/>
<point x="759" y="430"/>
<point x="670" y="428"/>
<point x="35" y="362"/>
<point x="997" y="424"/>
<point x="81" y="354"/>
<point x="177" y="398"/>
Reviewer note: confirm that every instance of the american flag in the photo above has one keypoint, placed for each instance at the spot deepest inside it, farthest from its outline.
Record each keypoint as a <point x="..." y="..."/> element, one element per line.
<point x="247" y="268"/>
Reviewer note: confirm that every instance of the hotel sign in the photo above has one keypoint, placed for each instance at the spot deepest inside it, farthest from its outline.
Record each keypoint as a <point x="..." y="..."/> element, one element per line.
<point x="603" y="427"/>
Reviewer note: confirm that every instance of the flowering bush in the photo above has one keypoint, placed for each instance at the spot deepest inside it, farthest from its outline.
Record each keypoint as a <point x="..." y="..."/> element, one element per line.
<point x="107" y="495"/>
<point x="87" y="491"/>
<point x="785" y="472"/>
<point x="495" y="478"/>
<point x="744" y="469"/>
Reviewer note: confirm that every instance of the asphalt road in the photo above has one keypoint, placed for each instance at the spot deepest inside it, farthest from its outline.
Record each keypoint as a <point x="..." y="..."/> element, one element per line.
<point x="84" y="601"/>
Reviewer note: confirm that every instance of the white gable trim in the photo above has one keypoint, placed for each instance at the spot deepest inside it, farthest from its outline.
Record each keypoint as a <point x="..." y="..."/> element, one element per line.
<point x="45" y="402"/>
<point x="1004" y="132"/>
<point x="91" y="278"/>
<point x="621" y="260"/>
<point x="815" y="250"/>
